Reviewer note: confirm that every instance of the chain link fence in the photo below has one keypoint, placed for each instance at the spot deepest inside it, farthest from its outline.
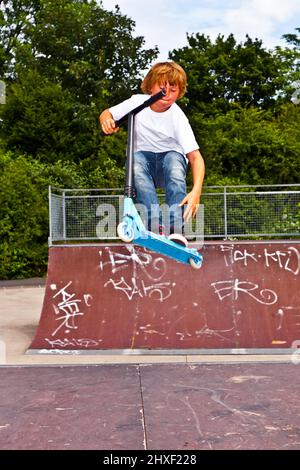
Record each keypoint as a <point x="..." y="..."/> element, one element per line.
<point x="230" y="212"/>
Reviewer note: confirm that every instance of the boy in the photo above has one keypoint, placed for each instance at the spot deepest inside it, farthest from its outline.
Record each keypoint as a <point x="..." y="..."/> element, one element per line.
<point x="164" y="144"/>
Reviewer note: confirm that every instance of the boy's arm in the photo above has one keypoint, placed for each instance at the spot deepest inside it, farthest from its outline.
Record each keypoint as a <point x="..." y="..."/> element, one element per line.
<point x="192" y="199"/>
<point x="107" y="122"/>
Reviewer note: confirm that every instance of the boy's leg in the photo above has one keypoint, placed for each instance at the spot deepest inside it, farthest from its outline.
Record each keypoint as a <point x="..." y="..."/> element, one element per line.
<point x="144" y="168"/>
<point x="174" y="169"/>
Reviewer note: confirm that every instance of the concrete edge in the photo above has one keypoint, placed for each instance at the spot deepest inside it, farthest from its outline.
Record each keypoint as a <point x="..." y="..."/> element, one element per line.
<point x="33" y="282"/>
<point x="72" y="361"/>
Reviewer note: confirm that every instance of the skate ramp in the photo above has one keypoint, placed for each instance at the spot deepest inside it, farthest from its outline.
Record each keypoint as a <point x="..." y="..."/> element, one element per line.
<point x="125" y="299"/>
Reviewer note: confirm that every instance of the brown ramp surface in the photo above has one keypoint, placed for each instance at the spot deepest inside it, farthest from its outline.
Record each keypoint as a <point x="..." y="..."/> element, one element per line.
<point x="122" y="297"/>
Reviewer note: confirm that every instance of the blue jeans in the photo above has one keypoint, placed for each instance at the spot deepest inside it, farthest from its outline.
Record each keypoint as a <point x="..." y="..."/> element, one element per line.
<point x="165" y="170"/>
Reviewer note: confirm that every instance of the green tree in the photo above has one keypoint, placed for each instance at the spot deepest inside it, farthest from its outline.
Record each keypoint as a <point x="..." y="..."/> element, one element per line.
<point x="23" y="220"/>
<point x="223" y="74"/>
<point x="250" y="145"/>
<point x="290" y="58"/>
<point x="238" y="104"/>
<point x="15" y="16"/>
<point x="24" y="208"/>
<point x="85" y="48"/>
<point x="69" y="61"/>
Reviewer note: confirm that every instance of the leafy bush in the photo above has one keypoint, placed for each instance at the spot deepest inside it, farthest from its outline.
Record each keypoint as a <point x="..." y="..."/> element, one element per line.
<point x="24" y="211"/>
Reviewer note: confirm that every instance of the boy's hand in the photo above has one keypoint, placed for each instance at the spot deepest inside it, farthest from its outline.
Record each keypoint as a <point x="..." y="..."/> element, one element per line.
<point x="192" y="201"/>
<point x="109" y="126"/>
<point x="107" y="122"/>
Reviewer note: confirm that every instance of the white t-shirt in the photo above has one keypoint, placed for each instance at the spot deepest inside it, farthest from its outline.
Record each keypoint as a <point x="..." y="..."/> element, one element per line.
<point x="158" y="132"/>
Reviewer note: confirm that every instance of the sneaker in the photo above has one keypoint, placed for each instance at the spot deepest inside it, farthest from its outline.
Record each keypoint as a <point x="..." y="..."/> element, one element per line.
<point x="178" y="238"/>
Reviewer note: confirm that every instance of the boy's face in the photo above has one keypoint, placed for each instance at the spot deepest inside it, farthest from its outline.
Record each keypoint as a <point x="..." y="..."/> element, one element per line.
<point x="172" y="93"/>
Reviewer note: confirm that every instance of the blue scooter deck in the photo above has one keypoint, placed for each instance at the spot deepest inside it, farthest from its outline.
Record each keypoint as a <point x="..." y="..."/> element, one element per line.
<point x="166" y="247"/>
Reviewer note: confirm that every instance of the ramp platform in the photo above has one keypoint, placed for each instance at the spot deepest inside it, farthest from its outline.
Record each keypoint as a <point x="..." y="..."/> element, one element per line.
<point x="117" y="297"/>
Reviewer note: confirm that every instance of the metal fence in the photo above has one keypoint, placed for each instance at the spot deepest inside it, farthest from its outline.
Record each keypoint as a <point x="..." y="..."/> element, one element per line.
<point x="78" y="215"/>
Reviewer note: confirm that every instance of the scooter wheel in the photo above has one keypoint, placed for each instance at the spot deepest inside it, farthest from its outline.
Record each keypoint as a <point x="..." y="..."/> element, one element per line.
<point x="125" y="232"/>
<point x="195" y="264"/>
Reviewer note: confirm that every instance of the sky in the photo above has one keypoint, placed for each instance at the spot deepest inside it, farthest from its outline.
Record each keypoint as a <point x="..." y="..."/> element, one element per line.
<point x="165" y="22"/>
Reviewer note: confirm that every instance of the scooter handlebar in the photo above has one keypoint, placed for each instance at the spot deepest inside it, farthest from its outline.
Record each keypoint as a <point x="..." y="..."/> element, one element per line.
<point x="142" y="106"/>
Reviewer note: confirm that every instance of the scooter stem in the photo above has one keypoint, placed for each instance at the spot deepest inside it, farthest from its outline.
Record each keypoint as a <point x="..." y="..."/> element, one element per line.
<point x="129" y="190"/>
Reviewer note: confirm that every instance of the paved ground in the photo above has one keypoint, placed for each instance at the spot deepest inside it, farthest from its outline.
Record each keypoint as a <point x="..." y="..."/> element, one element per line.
<point x="158" y="406"/>
<point x="135" y="402"/>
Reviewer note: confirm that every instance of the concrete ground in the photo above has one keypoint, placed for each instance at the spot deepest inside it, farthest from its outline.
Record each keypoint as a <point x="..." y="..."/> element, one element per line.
<point x="123" y="402"/>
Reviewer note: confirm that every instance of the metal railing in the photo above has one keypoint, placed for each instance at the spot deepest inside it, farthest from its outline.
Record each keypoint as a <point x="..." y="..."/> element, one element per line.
<point x="78" y="215"/>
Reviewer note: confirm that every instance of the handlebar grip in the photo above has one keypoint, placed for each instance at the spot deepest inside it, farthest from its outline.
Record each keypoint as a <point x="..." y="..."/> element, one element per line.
<point x="154" y="98"/>
<point x="120" y="121"/>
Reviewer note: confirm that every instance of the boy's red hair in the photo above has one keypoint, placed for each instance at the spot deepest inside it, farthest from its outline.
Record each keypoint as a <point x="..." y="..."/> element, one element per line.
<point x="164" y="72"/>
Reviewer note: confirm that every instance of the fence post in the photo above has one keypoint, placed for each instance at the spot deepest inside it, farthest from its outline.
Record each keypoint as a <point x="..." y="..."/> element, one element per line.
<point x="64" y="215"/>
<point x="50" y="216"/>
<point x="225" y="213"/>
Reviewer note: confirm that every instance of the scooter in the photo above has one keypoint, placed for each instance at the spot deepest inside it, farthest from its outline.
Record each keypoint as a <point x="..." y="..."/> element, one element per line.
<point x="132" y="228"/>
